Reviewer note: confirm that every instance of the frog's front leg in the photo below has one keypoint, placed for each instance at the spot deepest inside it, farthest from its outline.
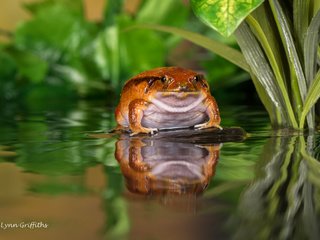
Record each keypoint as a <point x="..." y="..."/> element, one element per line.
<point x="136" y="111"/>
<point x="135" y="156"/>
<point x="212" y="111"/>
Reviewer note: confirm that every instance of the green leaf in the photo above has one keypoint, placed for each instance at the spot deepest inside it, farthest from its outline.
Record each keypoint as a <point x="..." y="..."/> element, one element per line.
<point x="271" y="55"/>
<point x="266" y="101"/>
<point x="111" y="11"/>
<point x="102" y="55"/>
<point x="140" y="49"/>
<point x="261" y="69"/>
<point x="267" y="23"/>
<point x="170" y="13"/>
<point x="120" y="54"/>
<point x="36" y="7"/>
<point x="316" y="6"/>
<point x="301" y="10"/>
<point x="108" y="54"/>
<point x="55" y="31"/>
<point x="8" y="71"/>
<point x="224" y="15"/>
<point x="311" y="47"/>
<point x="223" y="50"/>
<point x="312" y="97"/>
<point x="8" y="66"/>
<point x="296" y="71"/>
<point x="288" y="42"/>
<point x="59" y="34"/>
<point x="29" y="65"/>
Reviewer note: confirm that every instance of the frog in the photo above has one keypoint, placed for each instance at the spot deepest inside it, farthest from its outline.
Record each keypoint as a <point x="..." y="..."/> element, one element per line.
<point x="166" y="98"/>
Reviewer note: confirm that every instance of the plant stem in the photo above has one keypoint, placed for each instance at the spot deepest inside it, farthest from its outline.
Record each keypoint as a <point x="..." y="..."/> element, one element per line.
<point x="111" y="11"/>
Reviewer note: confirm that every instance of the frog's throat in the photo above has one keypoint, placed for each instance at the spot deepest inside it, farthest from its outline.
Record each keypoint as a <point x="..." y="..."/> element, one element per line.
<point x="193" y="168"/>
<point x="177" y="109"/>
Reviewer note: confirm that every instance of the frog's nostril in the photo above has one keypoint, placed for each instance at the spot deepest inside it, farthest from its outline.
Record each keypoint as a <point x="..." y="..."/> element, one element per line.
<point x="183" y="88"/>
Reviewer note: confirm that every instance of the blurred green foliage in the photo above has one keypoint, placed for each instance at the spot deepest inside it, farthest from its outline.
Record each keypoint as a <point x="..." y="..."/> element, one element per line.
<point x="58" y="47"/>
<point x="59" y="54"/>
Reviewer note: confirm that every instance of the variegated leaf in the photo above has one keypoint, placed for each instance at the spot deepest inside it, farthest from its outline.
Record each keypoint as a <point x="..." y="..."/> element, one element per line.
<point x="224" y="15"/>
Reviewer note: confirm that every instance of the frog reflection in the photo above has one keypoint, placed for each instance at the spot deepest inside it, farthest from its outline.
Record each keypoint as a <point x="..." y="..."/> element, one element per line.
<point x="156" y="166"/>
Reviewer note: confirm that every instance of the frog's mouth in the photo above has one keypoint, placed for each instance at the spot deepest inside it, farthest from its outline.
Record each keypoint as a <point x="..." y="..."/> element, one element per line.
<point x="172" y="101"/>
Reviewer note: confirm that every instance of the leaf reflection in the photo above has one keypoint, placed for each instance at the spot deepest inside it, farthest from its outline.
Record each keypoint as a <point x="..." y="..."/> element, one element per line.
<point x="283" y="203"/>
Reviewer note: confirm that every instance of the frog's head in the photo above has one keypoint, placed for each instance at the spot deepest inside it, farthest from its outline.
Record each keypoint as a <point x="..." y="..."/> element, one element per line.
<point x="174" y="89"/>
<point x="173" y="80"/>
<point x="176" y="79"/>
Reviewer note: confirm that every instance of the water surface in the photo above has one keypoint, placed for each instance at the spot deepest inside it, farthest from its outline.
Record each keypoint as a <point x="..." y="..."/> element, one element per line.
<point x="55" y="171"/>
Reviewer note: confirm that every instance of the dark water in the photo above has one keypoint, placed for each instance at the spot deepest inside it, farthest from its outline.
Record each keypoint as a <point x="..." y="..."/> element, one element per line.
<point x="61" y="177"/>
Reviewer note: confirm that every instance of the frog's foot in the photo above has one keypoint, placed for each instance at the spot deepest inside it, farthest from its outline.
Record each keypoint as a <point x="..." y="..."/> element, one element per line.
<point x="152" y="131"/>
<point x="119" y="128"/>
<point x="207" y="125"/>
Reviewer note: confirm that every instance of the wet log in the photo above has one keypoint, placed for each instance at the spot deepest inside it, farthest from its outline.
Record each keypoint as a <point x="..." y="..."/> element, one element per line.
<point x="188" y="135"/>
<point x="202" y="136"/>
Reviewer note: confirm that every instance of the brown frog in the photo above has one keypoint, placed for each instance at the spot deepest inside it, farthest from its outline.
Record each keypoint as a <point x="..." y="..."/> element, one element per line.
<point x="166" y="98"/>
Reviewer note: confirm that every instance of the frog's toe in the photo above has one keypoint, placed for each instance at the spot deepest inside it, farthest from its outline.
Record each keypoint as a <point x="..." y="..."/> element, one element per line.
<point x="152" y="131"/>
<point x="207" y="125"/>
<point x="218" y="126"/>
<point x="200" y="126"/>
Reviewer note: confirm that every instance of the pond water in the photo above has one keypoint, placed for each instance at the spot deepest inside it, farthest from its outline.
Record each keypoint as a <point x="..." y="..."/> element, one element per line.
<point x="62" y="177"/>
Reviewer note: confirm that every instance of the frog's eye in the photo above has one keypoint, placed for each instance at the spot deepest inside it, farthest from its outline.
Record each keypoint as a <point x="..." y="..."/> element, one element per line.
<point x="200" y="79"/>
<point x="196" y="78"/>
<point x="163" y="79"/>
